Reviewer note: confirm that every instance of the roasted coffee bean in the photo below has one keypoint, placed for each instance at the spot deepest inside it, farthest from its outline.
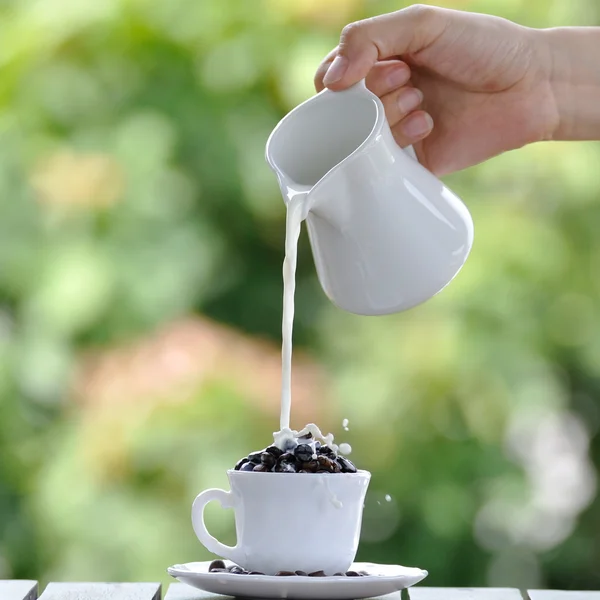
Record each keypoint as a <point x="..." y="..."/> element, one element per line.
<point x="302" y="573"/>
<point x="275" y="451"/>
<point x="311" y="466"/>
<point x="268" y="460"/>
<point x="326" y="451"/>
<point x="346" y="465"/>
<point x="317" y="574"/>
<point x="255" y="573"/>
<point x="254" y="457"/>
<point x="303" y="452"/>
<point x="237" y="570"/>
<point x="327" y="464"/>
<point x="217" y="564"/>
<point x="352" y="574"/>
<point x="240" y="463"/>
<point x="285" y="574"/>
<point x="286" y="463"/>
<point x="287" y="468"/>
<point x="338" y="575"/>
<point x="249" y="466"/>
<point x="261" y="469"/>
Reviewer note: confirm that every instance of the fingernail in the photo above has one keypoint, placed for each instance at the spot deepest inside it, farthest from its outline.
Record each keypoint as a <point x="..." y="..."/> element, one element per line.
<point x="417" y="125"/>
<point x="398" y="77"/>
<point x="336" y="70"/>
<point x="409" y="99"/>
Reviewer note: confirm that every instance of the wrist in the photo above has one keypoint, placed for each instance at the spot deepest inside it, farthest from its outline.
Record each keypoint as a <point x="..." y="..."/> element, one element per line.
<point x="573" y="55"/>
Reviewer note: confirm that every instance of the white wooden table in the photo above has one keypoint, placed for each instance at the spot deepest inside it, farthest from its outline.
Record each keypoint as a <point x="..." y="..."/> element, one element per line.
<point x="29" y="590"/>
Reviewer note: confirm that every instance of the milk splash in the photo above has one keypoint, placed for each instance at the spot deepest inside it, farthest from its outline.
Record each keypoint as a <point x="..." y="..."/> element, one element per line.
<point x="287" y="439"/>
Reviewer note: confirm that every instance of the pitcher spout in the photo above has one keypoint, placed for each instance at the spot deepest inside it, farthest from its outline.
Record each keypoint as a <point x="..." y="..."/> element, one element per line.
<point x="319" y="135"/>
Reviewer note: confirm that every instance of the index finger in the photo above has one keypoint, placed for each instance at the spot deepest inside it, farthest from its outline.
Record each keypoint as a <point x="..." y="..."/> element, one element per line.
<point x="364" y="43"/>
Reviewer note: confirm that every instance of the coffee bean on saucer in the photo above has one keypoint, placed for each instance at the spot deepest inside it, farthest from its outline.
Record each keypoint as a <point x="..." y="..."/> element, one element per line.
<point x="254" y="457"/>
<point x="255" y="573"/>
<point x="338" y="575"/>
<point x="261" y="469"/>
<point x="346" y="465"/>
<point x="326" y="451"/>
<point x="302" y="573"/>
<point x="285" y="574"/>
<point x="217" y="564"/>
<point x="317" y="574"/>
<point x="268" y="460"/>
<point x="303" y="452"/>
<point x="240" y="463"/>
<point x="237" y="570"/>
<point x="275" y="451"/>
<point x="249" y="466"/>
<point x="352" y="574"/>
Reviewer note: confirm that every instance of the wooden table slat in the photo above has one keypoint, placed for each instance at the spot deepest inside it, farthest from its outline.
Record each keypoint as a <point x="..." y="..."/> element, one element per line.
<point x="18" y="590"/>
<point x="425" y="593"/>
<point x="562" y="595"/>
<point x="182" y="591"/>
<point x="102" y="591"/>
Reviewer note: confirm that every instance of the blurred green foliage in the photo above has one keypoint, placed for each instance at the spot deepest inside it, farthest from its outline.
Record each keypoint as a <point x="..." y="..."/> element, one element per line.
<point x="134" y="195"/>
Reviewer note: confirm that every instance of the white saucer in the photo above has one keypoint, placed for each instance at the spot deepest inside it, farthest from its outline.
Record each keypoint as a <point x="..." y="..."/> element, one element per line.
<point x="385" y="579"/>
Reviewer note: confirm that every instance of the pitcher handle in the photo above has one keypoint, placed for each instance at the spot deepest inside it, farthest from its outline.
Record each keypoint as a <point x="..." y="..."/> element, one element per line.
<point x="361" y="87"/>
<point x="411" y="152"/>
<point x="226" y="500"/>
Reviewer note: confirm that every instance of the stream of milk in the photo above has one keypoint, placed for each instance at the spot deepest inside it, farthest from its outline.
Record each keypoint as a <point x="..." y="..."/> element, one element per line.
<point x="286" y="437"/>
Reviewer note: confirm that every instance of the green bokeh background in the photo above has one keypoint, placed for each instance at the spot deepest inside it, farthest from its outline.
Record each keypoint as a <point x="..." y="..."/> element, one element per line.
<point x="141" y="242"/>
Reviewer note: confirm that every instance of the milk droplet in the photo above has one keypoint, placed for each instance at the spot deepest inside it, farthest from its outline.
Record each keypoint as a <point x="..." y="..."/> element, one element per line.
<point x="345" y="425"/>
<point x="388" y="498"/>
<point x="345" y="448"/>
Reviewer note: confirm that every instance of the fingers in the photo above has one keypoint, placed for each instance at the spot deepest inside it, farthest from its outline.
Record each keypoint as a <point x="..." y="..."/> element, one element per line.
<point x="400" y="103"/>
<point x="322" y="69"/>
<point x="413" y="128"/>
<point x="364" y="43"/>
<point x="390" y="80"/>
<point x="384" y="77"/>
<point x="387" y="76"/>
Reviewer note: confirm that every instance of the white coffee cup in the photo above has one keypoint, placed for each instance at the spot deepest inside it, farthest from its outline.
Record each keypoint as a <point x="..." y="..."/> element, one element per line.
<point x="289" y="521"/>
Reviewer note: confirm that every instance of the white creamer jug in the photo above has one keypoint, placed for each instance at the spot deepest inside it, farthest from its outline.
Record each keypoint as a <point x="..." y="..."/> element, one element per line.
<point x="386" y="234"/>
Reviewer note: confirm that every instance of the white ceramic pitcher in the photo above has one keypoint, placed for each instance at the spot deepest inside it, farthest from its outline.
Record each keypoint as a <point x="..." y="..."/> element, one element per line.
<point x="386" y="234"/>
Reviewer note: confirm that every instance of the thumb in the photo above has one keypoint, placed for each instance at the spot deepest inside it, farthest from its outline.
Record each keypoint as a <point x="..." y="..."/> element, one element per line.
<point x="364" y="43"/>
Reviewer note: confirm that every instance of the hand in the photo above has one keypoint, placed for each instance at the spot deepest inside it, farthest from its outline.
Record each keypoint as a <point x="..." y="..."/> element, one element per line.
<point x="460" y="87"/>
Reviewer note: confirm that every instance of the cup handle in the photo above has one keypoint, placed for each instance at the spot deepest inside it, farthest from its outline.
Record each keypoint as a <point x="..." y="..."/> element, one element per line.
<point x="226" y="500"/>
